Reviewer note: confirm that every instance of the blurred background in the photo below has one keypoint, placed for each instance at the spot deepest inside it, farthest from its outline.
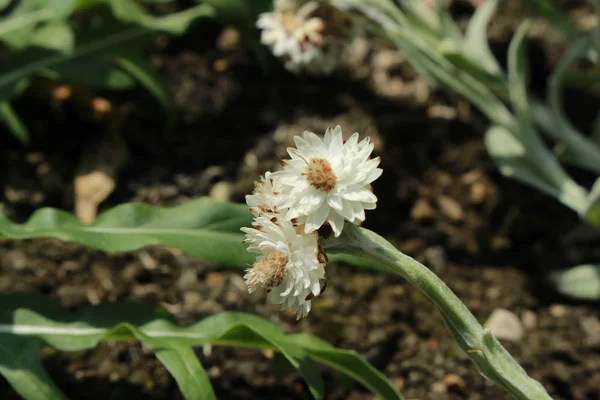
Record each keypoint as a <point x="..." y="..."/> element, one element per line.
<point x="161" y="102"/>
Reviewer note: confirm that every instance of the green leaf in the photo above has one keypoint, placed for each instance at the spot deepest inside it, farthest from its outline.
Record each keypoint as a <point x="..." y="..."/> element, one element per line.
<point x="56" y="36"/>
<point x="591" y="212"/>
<point x="239" y="12"/>
<point x="181" y="361"/>
<point x="515" y="160"/>
<point x="90" y="62"/>
<point x="557" y="19"/>
<point x="35" y="318"/>
<point x="19" y="27"/>
<point x="13" y="122"/>
<point x="205" y="229"/>
<point x="518" y="151"/>
<point x="581" y="282"/>
<point x="143" y="73"/>
<point x="476" y="37"/>
<point x="175" y="23"/>
<point x="517" y="74"/>
<point x="21" y="366"/>
<point x="349" y="363"/>
<point x="583" y="152"/>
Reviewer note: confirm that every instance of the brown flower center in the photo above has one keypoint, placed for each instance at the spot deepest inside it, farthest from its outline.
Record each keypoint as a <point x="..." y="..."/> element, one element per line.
<point x="268" y="272"/>
<point x="320" y="174"/>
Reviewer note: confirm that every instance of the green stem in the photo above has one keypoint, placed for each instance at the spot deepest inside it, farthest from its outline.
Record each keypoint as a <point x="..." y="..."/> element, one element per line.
<point x="492" y="360"/>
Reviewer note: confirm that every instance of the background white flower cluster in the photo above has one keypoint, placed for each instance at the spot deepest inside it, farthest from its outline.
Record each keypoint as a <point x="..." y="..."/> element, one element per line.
<point x="326" y="181"/>
<point x="309" y="36"/>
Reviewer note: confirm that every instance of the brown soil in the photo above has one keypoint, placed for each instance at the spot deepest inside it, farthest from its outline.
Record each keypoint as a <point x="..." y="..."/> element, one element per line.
<point x="441" y="200"/>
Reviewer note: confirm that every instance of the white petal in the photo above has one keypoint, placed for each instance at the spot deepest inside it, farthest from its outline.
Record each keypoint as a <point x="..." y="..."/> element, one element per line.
<point x="316" y="219"/>
<point x="359" y="194"/>
<point x="337" y="222"/>
<point x="335" y="202"/>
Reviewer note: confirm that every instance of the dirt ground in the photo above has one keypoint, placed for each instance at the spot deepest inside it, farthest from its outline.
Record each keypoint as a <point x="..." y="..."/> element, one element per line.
<point x="441" y="201"/>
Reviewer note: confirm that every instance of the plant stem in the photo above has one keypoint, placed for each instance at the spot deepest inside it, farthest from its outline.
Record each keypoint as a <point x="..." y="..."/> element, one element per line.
<point x="492" y="360"/>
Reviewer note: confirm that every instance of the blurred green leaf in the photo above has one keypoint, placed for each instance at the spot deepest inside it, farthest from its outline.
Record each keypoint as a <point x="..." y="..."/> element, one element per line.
<point x="175" y="23"/>
<point x="557" y="19"/>
<point x="152" y="81"/>
<point x="13" y="122"/>
<point x="591" y="212"/>
<point x="515" y="160"/>
<point x="517" y="75"/>
<point x="90" y="62"/>
<point x="20" y="365"/>
<point x="476" y="38"/>
<point x="582" y="151"/>
<point x="204" y="228"/>
<point x="581" y="282"/>
<point x="518" y="151"/>
<point x="32" y="318"/>
<point x="55" y="36"/>
<point x="239" y="12"/>
<point x="19" y="27"/>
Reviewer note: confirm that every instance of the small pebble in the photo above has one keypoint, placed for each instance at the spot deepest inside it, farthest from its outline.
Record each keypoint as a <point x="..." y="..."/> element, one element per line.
<point x="422" y="210"/>
<point x="558" y="310"/>
<point x="454" y="381"/>
<point x="529" y="319"/>
<point x="451" y="208"/>
<point x="505" y="325"/>
<point x="221" y="191"/>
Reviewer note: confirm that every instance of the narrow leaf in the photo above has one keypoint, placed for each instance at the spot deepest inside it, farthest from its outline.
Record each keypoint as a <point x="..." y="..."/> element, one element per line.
<point x="183" y="364"/>
<point x="516" y="161"/>
<point x="205" y="229"/>
<point x="476" y="37"/>
<point x="584" y="152"/>
<point x="591" y="212"/>
<point x="13" y="122"/>
<point x="349" y="363"/>
<point x="143" y="73"/>
<point x="30" y="317"/>
<point x="518" y="150"/>
<point x="517" y="73"/>
<point x="175" y="23"/>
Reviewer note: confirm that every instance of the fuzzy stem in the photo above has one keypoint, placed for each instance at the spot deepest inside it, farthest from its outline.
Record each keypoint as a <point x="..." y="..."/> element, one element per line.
<point x="492" y="360"/>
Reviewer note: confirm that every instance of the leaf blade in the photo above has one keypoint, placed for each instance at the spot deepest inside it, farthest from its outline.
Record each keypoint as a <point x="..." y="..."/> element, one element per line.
<point x="13" y="122"/>
<point x="21" y="367"/>
<point x="205" y="228"/>
<point x="37" y="318"/>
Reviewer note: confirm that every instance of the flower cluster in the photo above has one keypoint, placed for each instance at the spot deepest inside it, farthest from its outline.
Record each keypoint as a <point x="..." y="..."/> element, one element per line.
<point x="309" y="36"/>
<point x="325" y="182"/>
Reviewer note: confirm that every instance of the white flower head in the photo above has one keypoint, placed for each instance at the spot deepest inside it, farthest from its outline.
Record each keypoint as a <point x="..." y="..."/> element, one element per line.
<point x="290" y="265"/>
<point x="309" y="36"/>
<point x="266" y="199"/>
<point x="327" y="180"/>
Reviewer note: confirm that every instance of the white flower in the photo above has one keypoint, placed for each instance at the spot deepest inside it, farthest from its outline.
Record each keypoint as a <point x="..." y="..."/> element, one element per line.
<point x="266" y="199"/>
<point x="290" y="266"/>
<point x="309" y="36"/>
<point x="328" y="180"/>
